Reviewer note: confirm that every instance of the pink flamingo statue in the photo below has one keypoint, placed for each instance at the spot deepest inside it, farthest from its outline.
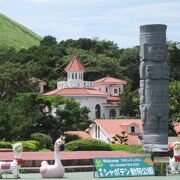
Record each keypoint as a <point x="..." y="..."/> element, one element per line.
<point x="56" y="170"/>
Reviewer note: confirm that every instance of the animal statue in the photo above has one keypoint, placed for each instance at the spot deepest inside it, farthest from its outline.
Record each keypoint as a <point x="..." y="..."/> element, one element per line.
<point x="13" y="166"/>
<point x="56" y="170"/>
<point x="174" y="161"/>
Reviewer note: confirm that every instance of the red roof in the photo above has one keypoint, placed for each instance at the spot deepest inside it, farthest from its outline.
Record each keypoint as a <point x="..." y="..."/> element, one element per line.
<point x="74" y="65"/>
<point x="81" y="134"/>
<point x="110" y="80"/>
<point x="75" y="91"/>
<point x="116" y="126"/>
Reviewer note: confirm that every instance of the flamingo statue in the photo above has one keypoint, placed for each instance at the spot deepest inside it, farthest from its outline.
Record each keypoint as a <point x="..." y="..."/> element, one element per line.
<point x="56" y="170"/>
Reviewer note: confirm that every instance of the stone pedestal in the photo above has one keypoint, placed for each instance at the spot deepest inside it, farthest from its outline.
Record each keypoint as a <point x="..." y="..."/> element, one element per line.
<point x="154" y="81"/>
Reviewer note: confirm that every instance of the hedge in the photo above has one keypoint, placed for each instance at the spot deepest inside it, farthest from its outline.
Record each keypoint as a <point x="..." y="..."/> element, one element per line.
<point x="4" y="144"/>
<point x="30" y="145"/>
<point x="87" y="145"/>
<point x="71" y="137"/>
<point x="45" y="141"/>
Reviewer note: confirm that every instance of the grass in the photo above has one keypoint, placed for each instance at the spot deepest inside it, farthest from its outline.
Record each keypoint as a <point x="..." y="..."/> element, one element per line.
<point x="13" y="34"/>
<point x="128" y="148"/>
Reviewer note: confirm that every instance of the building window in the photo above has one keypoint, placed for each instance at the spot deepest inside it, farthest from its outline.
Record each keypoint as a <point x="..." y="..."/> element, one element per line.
<point x="106" y="89"/>
<point x="72" y="75"/>
<point x="97" y="132"/>
<point x="98" y="111"/>
<point x="119" y="90"/>
<point x="75" y="75"/>
<point x="112" y="113"/>
<point x="132" y="129"/>
<point x="115" y="91"/>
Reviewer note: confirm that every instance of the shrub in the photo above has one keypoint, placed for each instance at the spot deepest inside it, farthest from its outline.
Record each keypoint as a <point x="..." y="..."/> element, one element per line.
<point x="87" y="145"/>
<point x="45" y="141"/>
<point x="71" y="137"/>
<point x="30" y="145"/>
<point x="4" y="144"/>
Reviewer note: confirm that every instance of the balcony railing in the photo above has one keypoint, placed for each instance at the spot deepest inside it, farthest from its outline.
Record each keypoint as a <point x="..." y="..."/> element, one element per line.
<point x="75" y="84"/>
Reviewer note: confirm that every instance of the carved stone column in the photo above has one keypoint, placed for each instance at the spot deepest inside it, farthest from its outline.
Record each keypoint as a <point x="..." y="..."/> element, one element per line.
<point x="154" y="81"/>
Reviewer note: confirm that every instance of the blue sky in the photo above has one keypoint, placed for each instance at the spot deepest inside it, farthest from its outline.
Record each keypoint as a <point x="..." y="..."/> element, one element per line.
<point x="115" y="20"/>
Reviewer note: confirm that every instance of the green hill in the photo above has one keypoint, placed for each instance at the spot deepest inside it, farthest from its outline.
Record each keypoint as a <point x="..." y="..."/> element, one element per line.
<point x="13" y="34"/>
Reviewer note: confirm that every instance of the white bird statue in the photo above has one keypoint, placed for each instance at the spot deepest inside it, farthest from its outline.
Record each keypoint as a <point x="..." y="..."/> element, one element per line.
<point x="56" y="170"/>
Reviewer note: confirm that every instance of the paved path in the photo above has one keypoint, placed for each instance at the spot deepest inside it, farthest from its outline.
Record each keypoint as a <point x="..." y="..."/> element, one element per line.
<point x="89" y="176"/>
<point x="66" y="155"/>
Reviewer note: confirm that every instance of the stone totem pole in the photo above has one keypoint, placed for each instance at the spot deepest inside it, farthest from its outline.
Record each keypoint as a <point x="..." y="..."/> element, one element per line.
<point x="154" y="81"/>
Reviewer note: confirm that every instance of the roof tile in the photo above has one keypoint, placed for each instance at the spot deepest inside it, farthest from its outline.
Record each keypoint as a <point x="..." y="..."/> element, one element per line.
<point x="75" y="91"/>
<point x="110" y="80"/>
<point x="74" y="65"/>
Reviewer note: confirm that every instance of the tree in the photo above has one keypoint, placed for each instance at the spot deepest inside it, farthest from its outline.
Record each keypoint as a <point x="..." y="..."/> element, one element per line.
<point x="69" y="116"/>
<point x="129" y="102"/>
<point x="174" y="105"/>
<point x="174" y="60"/>
<point x="15" y="78"/>
<point x="5" y="123"/>
<point x="121" y="138"/>
<point x="25" y="114"/>
<point x="48" y="41"/>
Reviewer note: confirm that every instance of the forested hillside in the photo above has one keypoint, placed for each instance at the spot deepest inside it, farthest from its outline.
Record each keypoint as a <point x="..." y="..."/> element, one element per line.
<point x="13" y="34"/>
<point x="100" y="57"/>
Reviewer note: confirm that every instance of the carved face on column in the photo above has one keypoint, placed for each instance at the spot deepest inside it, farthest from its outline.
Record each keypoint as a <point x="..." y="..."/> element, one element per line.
<point x="153" y="52"/>
<point x="156" y="52"/>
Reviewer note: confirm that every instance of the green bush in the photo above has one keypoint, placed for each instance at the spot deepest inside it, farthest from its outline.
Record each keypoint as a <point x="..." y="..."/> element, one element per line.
<point x="45" y="141"/>
<point x="71" y="137"/>
<point x="87" y="145"/>
<point x="30" y="145"/>
<point x="4" y="144"/>
<point x="129" y="148"/>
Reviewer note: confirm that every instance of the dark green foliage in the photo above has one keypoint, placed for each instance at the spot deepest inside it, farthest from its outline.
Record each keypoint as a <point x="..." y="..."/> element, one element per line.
<point x="15" y="78"/>
<point x="45" y="141"/>
<point x="4" y="144"/>
<point x="48" y="41"/>
<point x="129" y="104"/>
<point x="87" y="145"/>
<point x="24" y="115"/>
<point x="174" y="106"/>
<point x="71" y="137"/>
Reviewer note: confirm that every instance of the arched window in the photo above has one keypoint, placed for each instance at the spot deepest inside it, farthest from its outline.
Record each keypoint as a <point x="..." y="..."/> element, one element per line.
<point x="112" y="113"/>
<point x="98" y="111"/>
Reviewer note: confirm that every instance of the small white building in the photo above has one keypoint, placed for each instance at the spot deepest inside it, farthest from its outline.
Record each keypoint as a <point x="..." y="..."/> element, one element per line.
<point x="100" y="96"/>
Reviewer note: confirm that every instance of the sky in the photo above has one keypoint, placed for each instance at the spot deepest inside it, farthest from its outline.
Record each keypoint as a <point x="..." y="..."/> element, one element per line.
<point x="114" y="20"/>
